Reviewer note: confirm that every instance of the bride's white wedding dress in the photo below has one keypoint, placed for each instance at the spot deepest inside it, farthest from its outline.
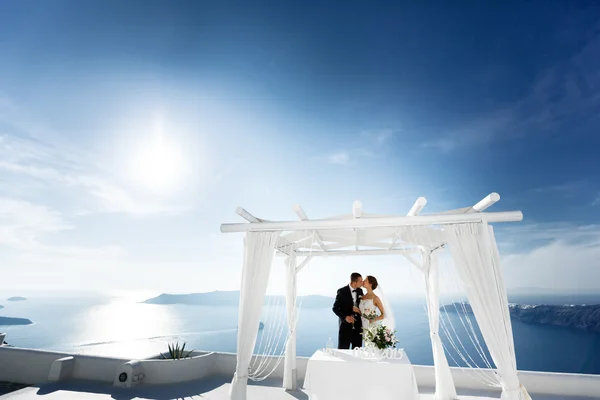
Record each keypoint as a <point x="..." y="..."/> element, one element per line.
<point x="367" y="307"/>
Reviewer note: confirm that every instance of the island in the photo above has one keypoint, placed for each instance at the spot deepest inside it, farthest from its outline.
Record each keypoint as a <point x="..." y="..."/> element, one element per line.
<point x="1" y="306"/>
<point x="16" y="298"/>
<point x="10" y="321"/>
<point x="583" y="317"/>
<point x="232" y="299"/>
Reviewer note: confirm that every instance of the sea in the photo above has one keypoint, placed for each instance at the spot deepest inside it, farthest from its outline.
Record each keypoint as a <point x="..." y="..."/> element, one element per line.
<point x="123" y="326"/>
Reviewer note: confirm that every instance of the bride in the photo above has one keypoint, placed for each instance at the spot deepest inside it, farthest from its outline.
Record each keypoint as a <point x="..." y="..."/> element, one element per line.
<point x="371" y="302"/>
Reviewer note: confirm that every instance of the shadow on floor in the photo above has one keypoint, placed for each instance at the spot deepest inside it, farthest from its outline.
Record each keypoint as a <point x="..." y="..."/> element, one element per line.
<point x="495" y="394"/>
<point x="188" y="390"/>
<point x="8" y="387"/>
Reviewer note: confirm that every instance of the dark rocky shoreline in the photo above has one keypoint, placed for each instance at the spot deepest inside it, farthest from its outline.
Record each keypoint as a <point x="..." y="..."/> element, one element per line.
<point x="9" y="321"/>
<point x="583" y="317"/>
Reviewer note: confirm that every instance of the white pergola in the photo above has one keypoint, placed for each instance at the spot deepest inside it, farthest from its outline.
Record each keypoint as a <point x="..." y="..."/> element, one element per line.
<point x="414" y="236"/>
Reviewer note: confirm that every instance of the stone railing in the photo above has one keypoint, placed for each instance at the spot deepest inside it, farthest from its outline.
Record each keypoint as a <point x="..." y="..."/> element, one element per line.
<point x="31" y="367"/>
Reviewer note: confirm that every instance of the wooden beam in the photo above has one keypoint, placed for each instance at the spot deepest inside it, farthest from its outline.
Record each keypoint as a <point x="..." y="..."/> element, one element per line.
<point x="297" y="235"/>
<point x="417" y="207"/>
<point x="303" y="264"/>
<point x="296" y="245"/>
<point x="302" y="215"/>
<point x="282" y="246"/>
<point x="246" y="215"/>
<point x="370" y="252"/>
<point x="486" y="202"/>
<point x="357" y="209"/>
<point x="323" y="224"/>
<point x="413" y="261"/>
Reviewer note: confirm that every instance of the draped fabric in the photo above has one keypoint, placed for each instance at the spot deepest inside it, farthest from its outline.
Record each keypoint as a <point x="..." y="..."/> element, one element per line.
<point x="289" y="369"/>
<point x="475" y="254"/>
<point x="258" y="256"/>
<point x="444" y="383"/>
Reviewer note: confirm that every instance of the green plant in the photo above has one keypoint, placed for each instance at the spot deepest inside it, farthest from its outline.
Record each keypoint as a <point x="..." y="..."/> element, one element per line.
<point x="176" y="352"/>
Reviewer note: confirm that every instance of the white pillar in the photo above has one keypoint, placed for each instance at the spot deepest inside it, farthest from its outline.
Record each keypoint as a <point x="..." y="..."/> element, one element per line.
<point x="290" y="372"/>
<point x="444" y="383"/>
<point x="258" y="255"/>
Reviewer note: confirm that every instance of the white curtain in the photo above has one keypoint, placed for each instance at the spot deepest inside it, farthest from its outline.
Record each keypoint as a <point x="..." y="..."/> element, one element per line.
<point x="475" y="254"/>
<point x="444" y="383"/>
<point x="258" y="256"/>
<point x="289" y="371"/>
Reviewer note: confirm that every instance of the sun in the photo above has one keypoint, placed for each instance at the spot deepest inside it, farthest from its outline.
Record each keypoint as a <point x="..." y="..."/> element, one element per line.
<point x="158" y="163"/>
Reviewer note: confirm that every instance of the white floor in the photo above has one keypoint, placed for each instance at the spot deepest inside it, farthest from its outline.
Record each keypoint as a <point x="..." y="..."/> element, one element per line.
<point x="216" y="388"/>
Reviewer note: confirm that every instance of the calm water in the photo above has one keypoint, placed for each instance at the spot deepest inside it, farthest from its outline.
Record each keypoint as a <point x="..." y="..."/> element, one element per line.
<point x="122" y="327"/>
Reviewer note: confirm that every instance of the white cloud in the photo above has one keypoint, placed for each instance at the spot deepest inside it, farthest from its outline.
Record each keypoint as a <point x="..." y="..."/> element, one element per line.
<point x="474" y="133"/>
<point x="340" y="158"/>
<point x="33" y="156"/>
<point x="568" y="90"/>
<point x="568" y="189"/>
<point x="31" y="159"/>
<point x="566" y="256"/>
<point x="378" y="138"/>
<point x="558" y="265"/>
<point x="117" y="200"/>
<point x="368" y="145"/>
<point x="24" y="225"/>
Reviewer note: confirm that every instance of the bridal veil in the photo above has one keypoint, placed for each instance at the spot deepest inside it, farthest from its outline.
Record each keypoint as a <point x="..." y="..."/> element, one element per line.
<point x="388" y="318"/>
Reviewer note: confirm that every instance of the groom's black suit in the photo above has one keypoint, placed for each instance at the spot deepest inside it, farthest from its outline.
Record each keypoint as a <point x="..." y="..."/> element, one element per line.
<point x="349" y="334"/>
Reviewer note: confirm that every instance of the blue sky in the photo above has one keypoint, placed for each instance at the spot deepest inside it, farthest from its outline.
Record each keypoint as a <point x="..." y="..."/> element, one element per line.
<point x="267" y="105"/>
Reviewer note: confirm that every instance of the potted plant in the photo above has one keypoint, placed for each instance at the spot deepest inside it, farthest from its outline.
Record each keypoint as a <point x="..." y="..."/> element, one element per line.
<point x="176" y="352"/>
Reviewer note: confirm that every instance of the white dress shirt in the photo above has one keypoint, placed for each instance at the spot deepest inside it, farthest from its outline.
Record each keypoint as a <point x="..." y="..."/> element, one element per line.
<point x="354" y="293"/>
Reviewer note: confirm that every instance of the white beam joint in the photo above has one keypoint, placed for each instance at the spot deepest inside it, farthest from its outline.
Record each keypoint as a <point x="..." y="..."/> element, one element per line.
<point x="417" y="207"/>
<point x="483" y="204"/>
<point x="302" y="215"/>
<point x="357" y="209"/>
<point x="486" y="202"/>
<point x="303" y="264"/>
<point x="246" y="215"/>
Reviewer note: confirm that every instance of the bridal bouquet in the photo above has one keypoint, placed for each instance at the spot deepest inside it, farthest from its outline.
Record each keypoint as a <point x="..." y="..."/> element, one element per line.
<point x="370" y="315"/>
<point x="380" y="336"/>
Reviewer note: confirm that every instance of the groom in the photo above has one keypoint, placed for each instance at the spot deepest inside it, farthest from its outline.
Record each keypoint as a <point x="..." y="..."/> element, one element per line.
<point x="345" y="307"/>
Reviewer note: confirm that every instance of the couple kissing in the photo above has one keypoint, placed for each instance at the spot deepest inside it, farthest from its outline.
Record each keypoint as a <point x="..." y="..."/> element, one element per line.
<point x="358" y="310"/>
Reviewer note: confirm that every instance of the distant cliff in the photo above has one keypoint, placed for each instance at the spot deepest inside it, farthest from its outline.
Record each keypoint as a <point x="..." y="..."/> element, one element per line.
<point x="584" y="317"/>
<point x="16" y="298"/>
<point x="1" y="306"/>
<point x="232" y="298"/>
<point x="14" y="321"/>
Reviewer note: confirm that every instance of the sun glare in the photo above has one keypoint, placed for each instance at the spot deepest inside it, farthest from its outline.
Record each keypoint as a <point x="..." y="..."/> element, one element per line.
<point x="158" y="163"/>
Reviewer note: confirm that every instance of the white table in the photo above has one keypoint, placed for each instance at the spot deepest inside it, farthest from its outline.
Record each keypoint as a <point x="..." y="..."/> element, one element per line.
<point x="342" y="376"/>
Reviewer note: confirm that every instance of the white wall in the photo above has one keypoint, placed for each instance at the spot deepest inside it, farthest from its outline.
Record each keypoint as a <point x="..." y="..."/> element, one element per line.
<point x="31" y="367"/>
<point x="464" y="378"/>
<point x="535" y="382"/>
<point x="26" y="367"/>
<point x="174" y="371"/>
